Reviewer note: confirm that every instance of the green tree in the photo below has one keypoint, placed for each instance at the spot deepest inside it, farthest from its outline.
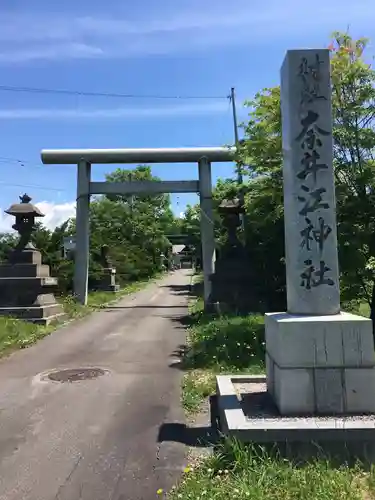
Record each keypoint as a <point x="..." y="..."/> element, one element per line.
<point x="353" y="100"/>
<point x="189" y="225"/>
<point x="134" y="227"/>
<point x="7" y="243"/>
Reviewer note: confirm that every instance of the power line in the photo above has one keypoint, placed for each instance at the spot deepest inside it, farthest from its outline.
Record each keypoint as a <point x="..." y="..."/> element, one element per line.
<point x="33" y="186"/>
<point x="22" y="163"/>
<point x="6" y="88"/>
<point x="7" y="159"/>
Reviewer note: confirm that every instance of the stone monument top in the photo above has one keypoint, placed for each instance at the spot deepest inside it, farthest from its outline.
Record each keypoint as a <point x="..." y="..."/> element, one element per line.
<point x="309" y="195"/>
<point x="231" y="206"/>
<point x="230" y="210"/>
<point x="105" y="259"/>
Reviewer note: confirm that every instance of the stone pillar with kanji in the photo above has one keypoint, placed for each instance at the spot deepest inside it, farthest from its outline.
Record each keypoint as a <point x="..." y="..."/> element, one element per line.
<point x="319" y="359"/>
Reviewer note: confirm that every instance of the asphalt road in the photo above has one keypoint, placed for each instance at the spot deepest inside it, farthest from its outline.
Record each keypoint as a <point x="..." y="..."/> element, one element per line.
<point x="97" y="439"/>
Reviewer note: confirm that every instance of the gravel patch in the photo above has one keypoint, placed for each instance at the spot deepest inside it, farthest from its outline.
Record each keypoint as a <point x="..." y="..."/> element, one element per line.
<point x="256" y="403"/>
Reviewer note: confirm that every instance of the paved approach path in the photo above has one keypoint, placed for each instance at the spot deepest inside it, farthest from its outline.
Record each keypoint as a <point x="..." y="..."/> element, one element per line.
<point x="97" y="439"/>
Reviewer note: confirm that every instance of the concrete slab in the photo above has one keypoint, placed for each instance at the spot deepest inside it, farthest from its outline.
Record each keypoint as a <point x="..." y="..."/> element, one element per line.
<point x="257" y="420"/>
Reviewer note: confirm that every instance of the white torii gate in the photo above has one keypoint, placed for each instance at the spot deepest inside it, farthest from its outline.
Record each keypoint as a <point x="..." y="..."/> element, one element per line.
<point x="84" y="158"/>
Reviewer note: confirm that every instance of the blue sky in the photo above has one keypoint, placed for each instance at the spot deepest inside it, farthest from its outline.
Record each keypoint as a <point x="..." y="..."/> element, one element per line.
<point x="195" y="48"/>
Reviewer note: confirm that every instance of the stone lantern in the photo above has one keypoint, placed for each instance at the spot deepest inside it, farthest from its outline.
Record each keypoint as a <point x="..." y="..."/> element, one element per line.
<point x="163" y="260"/>
<point x="230" y="211"/>
<point x="25" y="284"/>
<point x="231" y="282"/>
<point x="107" y="282"/>
<point x="25" y="213"/>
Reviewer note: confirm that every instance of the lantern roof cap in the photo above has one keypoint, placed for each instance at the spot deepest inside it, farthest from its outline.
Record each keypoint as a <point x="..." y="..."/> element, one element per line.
<point x="231" y="206"/>
<point x="24" y="208"/>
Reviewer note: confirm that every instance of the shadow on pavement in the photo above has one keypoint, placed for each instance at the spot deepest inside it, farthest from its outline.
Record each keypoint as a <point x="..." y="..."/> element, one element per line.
<point x="199" y="437"/>
<point x="142" y="307"/>
<point x="178" y="289"/>
<point x="180" y="351"/>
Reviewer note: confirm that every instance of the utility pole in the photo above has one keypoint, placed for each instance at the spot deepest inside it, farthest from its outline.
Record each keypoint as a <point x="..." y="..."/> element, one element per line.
<point x="232" y="99"/>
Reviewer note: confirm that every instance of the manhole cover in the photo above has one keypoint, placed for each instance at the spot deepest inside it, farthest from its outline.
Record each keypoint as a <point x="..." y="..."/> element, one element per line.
<point x="76" y="374"/>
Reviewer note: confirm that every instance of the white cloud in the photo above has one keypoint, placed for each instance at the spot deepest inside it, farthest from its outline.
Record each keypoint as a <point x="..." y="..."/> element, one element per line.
<point x="197" y="108"/>
<point x="55" y="215"/>
<point x="52" y="52"/>
<point x="27" y="36"/>
<point x="6" y="222"/>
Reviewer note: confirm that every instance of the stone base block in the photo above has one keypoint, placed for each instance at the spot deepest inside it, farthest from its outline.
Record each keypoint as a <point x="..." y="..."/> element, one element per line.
<point x="107" y="282"/>
<point x="230" y="290"/>
<point x="22" y="271"/>
<point x="109" y="288"/>
<point x="41" y="315"/>
<point x="320" y="365"/>
<point x="26" y="256"/>
<point x="247" y="412"/>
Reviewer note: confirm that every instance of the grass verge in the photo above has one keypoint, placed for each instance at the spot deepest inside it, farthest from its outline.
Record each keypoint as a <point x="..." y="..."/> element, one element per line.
<point x="17" y="334"/>
<point x="243" y="472"/>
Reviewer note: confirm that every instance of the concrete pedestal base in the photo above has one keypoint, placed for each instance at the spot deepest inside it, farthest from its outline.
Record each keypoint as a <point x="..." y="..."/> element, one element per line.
<point x="247" y="412"/>
<point x="26" y="289"/>
<point x="320" y="365"/>
<point x="43" y="315"/>
<point x="108" y="281"/>
<point x="103" y="287"/>
<point x="230" y="290"/>
<point x="114" y="288"/>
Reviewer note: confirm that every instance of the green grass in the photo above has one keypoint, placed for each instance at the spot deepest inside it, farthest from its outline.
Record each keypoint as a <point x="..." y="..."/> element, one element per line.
<point x="17" y="334"/>
<point x="363" y="309"/>
<point x="226" y="344"/>
<point x="356" y="307"/>
<point x="242" y="472"/>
